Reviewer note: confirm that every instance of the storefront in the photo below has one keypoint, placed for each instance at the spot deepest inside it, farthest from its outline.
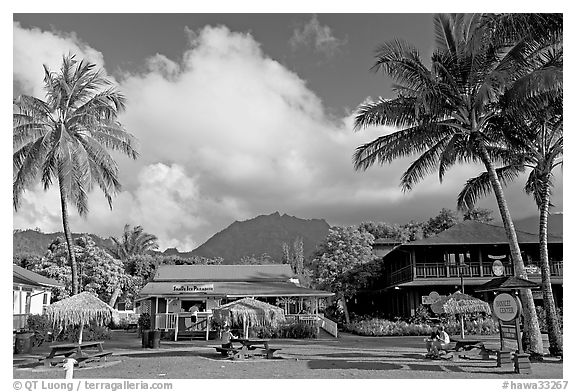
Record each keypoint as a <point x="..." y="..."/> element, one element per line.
<point x="180" y="298"/>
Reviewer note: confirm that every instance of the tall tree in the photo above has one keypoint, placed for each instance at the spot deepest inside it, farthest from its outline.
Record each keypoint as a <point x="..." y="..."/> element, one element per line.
<point x="537" y="146"/>
<point x="133" y="242"/>
<point x="338" y="260"/>
<point x="531" y="121"/>
<point x="443" y="111"/>
<point x="66" y="137"/>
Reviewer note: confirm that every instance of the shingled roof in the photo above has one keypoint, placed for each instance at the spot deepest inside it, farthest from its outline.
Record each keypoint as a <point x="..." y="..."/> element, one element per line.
<point x="476" y="233"/>
<point x="23" y="276"/>
<point x="224" y="273"/>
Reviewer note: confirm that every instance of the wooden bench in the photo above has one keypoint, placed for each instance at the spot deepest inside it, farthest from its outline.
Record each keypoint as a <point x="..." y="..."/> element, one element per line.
<point x="267" y="352"/>
<point x="227" y="351"/>
<point x="56" y="359"/>
<point x="101" y="356"/>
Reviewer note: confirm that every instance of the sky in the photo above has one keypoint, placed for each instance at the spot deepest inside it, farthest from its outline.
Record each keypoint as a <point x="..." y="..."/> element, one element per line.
<point x="239" y="115"/>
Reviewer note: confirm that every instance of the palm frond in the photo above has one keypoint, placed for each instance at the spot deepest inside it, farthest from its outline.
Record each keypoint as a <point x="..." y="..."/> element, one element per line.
<point x="480" y="186"/>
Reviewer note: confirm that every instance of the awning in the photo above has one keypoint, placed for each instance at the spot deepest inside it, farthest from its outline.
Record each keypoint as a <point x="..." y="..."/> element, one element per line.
<point x="508" y="283"/>
<point x="229" y="290"/>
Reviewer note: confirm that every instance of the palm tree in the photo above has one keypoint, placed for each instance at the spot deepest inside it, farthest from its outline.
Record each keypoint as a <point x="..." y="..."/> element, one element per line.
<point x="532" y="123"/>
<point x="536" y="144"/>
<point x="134" y="242"/>
<point x="66" y="137"/>
<point x="443" y="113"/>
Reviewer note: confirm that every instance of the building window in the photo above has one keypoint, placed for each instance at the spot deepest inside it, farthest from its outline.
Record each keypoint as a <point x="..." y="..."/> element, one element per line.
<point x="457" y="258"/>
<point x="46" y="299"/>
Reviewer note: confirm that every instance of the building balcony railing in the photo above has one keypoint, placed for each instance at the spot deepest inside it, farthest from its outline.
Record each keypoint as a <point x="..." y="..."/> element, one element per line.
<point x="441" y="270"/>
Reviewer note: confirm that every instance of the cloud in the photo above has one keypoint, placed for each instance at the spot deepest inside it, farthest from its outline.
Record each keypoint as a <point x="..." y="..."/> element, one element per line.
<point x="228" y="133"/>
<point x="34" y="48"/>
<point x="317" y="37"/>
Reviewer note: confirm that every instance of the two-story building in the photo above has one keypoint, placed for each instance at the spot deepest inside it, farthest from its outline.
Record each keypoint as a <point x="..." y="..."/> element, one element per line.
<point x="462" y="255"/>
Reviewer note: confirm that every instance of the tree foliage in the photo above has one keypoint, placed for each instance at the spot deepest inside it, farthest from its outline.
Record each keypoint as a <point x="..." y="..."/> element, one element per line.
<point x="98" y="271"/>
<point x="345" y="249"/>
<point x="66" y="139"/>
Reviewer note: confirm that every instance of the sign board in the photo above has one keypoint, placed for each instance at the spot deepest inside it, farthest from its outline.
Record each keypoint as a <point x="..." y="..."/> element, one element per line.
<point x="430" y="298"/>
<point x="192" y="288"/>
<point x="508" y="331"/>
<point x="506" y="307"/>
<point x="497" y="268"/>
<point x="533" y="269"/>
<point x="510" y="335"/>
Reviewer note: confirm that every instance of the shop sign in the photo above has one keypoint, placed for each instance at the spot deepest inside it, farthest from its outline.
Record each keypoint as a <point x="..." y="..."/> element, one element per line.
<point x="430" y="298"/>
<point x="508" y="331"/>
<point x="192" y="288"/>
<point x="533" y="269"/>
<point x="497" y="268"/>
<point x="506" y="307"/>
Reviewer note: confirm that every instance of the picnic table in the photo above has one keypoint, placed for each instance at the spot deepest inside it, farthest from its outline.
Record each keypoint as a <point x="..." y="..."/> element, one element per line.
<point x="468" y="344"/>
<point x="82" y="352"/>
<point x="248" y="348"/>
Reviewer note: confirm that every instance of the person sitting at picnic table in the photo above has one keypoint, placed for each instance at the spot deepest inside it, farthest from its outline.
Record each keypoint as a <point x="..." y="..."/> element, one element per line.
<point x="227" y="336"/>
<point x="439" y="340"/>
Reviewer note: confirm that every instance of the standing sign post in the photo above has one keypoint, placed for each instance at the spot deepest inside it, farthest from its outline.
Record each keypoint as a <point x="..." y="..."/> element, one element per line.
<point x="507" y="308"/>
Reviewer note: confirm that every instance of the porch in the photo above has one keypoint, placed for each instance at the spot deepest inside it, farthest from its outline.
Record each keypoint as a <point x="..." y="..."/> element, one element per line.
<point x="184" y="324"/>
<point x="442" y="270"/>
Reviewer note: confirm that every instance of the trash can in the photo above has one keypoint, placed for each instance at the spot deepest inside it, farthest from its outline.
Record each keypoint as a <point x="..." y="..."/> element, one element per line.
<point x="146" y="338"/>
<point x="23" y="343"/>
<point x="155" y="338"/>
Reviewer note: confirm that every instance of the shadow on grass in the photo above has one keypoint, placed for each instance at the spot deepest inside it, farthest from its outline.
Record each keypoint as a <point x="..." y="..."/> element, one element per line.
<point x="354" y="355"/>
<point x="335" y="364"/>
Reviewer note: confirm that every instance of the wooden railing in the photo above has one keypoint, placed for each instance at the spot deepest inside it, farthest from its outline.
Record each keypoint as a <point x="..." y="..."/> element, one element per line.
<point x="19" y="321"/>
<point x="166" y="321"/>
<point x="401" y="275"/>
<point x="441" y="270"/>
<point x="328" y="325"/>
<point x="317" y="320"/>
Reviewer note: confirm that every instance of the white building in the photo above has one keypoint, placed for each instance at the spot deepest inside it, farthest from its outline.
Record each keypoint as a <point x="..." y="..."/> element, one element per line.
<point x="31" y="292"/>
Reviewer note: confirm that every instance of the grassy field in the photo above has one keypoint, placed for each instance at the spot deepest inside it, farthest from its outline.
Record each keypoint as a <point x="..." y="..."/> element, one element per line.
<point x="347" y="357"/>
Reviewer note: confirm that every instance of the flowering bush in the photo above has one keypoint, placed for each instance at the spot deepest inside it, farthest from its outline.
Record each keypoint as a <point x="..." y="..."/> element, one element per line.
<point x="382" y="327"/>
<point x="286" y="331"/>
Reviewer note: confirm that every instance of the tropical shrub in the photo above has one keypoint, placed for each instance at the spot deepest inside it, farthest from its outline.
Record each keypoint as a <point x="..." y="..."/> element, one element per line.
<point x="90" y="333"/>
<point x="382" y="327"/>
<point x="541" y="312"/>
<point x="40" y="326"/>
<point x="144" y="322"/>
<point x="286" y="331"/>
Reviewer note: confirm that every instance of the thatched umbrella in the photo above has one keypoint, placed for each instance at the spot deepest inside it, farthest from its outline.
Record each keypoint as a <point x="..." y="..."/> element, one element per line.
<point x="80" y="309"/>
<point x="249" y="312"/>
<point x="461" y="304"/>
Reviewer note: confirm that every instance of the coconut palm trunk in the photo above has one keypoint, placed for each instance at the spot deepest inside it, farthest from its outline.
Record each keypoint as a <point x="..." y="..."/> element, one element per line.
<point x="345" y="309"/>
<point x="115" y="295"/>
<point x="68" y="236"/>
<point x="554" y="334"/>
<point x="531" y="327"/>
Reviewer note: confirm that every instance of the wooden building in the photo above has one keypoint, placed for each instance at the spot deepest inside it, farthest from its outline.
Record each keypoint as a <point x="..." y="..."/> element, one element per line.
<point x="180" y="298"/>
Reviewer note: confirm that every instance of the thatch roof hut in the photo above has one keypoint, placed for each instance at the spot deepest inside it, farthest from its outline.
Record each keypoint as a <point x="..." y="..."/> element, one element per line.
<point x="249" y="312"/>
<point x="459" y="303"/>
<point x="80" y="309"/>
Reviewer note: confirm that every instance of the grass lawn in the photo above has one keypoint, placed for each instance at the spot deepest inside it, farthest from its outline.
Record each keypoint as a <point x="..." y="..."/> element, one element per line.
<point x="349" y="356"/>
